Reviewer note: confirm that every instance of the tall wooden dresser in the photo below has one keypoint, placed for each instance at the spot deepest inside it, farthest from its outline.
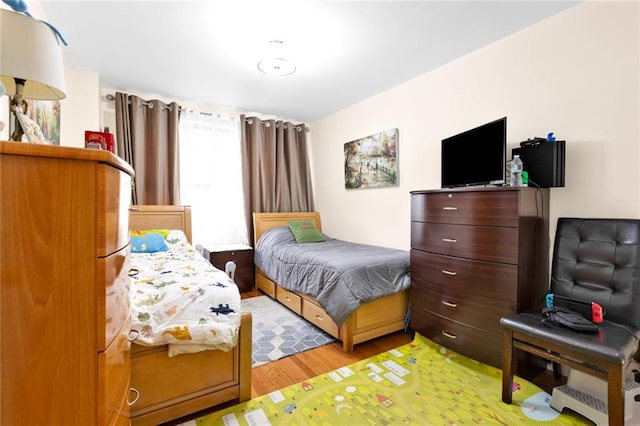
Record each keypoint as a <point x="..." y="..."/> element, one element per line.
<point x="64" y="303"/>
<point x="476" y="255"/>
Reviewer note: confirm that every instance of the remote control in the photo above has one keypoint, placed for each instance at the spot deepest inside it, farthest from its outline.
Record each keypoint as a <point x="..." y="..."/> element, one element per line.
<point x="596" y="313"/>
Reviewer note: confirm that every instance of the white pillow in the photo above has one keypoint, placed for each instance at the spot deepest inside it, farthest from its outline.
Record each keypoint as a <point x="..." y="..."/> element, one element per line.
<point x="176" y="239"/>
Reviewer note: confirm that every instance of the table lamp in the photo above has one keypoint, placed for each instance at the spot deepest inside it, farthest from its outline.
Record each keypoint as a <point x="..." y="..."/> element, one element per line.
<point x="30" y="65"/>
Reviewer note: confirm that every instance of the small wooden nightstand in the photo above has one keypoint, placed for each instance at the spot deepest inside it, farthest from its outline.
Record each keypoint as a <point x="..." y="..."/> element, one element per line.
<point x="240" y="254"/>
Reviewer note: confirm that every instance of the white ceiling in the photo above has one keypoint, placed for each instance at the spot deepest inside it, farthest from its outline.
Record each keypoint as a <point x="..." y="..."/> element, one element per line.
<point x="345" y="51"/>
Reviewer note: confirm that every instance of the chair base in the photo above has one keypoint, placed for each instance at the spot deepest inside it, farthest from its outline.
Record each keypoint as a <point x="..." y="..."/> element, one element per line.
<point x="587" y="395"/>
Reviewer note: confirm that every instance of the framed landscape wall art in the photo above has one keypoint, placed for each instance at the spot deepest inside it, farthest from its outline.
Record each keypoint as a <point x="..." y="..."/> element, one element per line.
<point x="47" y="115"/>
<point x="372" y="161"/>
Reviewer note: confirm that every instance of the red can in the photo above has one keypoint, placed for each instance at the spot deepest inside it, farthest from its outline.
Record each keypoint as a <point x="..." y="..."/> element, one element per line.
<point x="105" y="139"/>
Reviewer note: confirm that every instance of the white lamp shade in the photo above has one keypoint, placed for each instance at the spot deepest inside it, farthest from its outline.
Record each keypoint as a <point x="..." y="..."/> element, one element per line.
<point x="30" y="50"/>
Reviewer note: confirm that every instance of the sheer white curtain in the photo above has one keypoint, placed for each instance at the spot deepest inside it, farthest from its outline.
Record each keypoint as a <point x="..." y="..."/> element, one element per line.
<point x="211" y="177"/>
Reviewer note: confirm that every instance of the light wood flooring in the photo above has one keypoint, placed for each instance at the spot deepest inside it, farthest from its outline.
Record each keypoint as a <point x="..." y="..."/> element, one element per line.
<point x="296" y="368"/>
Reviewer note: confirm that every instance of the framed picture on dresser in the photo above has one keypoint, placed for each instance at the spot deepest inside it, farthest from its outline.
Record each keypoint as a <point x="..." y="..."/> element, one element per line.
<point x="45" y="114"/>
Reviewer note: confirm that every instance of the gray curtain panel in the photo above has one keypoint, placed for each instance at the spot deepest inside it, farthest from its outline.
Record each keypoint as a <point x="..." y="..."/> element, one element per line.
<point x="275" y="166"/>
<point x="147" y="138"/>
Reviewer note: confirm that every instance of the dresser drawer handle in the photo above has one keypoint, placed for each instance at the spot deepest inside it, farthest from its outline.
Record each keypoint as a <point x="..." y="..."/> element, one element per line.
<point x="134" y="209"/>
<point x="449" y="304"/>
<point x="449" y="240"/>
<point x="133" y="272"/>
<point x="288" y="299"/>
<point x="133" y="335"/>
<point x="450" y="208"/>
<point x="449" y="335"/>
<point x="137" y="396"/>
<point x="452" y="273"/>
<point x="319" y="318"/>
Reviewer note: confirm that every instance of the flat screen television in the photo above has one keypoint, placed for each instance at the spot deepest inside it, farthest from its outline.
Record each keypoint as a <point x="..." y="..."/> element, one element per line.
<point x="475" y="157"/>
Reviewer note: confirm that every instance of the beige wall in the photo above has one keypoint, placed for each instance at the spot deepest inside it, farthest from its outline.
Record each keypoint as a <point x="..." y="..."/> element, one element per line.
<point x="80" y="110"/>
<point x="576" y="74"/>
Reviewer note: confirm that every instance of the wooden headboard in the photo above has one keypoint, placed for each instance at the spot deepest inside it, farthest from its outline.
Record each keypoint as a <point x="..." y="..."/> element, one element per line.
<point x="265" y="221"/>
<point x="160" y="217"/>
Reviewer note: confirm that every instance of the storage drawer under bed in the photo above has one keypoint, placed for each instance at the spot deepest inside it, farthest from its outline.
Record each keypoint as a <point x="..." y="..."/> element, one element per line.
<point x="265" y="284"/>
<point x="159" y="378"/>
<point x="289" y="299"/>
<point x="317" y="316"/>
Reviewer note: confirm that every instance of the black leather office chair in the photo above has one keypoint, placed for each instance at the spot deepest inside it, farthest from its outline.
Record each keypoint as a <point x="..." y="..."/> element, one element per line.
<point x="594" y="260"/>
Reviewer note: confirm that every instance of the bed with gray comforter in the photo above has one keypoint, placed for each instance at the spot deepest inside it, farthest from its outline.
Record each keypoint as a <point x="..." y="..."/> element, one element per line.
<point x="340" y="275"/>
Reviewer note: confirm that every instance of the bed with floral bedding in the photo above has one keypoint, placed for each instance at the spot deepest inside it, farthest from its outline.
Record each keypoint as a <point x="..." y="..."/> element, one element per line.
<point x="191" y="345"/>
<point x="178" y="297"/>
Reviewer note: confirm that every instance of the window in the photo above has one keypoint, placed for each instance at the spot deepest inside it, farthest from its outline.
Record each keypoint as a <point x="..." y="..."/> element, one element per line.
<point x="211" y="177"/>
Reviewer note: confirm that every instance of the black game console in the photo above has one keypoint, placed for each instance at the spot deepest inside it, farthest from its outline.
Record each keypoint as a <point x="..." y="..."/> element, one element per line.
<point x="533" y="142"/>
<point x="544" y="163"/>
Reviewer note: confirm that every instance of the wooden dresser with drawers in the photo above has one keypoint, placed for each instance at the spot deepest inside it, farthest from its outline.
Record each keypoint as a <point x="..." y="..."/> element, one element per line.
<point x="477" y="254"/>
<point x="64" y="286"/>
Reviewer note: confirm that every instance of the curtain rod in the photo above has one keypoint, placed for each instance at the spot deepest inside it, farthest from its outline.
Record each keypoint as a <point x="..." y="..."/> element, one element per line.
<point x="267" y="124"/>
<point x="111" y="97"/>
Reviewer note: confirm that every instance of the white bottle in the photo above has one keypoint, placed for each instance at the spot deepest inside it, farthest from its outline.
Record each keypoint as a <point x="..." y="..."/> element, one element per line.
<point x="516" y="171"/>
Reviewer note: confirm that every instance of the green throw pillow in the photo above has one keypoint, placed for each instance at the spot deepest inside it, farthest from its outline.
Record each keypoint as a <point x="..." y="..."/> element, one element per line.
<point x="305" y="231"/>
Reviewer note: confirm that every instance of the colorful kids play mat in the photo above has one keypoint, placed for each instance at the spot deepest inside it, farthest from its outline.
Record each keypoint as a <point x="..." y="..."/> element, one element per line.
<point x="420" y="383"/>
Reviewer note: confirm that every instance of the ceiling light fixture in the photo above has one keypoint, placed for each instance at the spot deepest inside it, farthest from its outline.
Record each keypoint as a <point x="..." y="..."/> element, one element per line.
<point x="276" y="66"/>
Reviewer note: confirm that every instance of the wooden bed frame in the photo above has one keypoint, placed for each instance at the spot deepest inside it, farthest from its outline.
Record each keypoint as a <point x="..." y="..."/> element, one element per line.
<point x="373" y="319"/>
<point x="170" y="388"/>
